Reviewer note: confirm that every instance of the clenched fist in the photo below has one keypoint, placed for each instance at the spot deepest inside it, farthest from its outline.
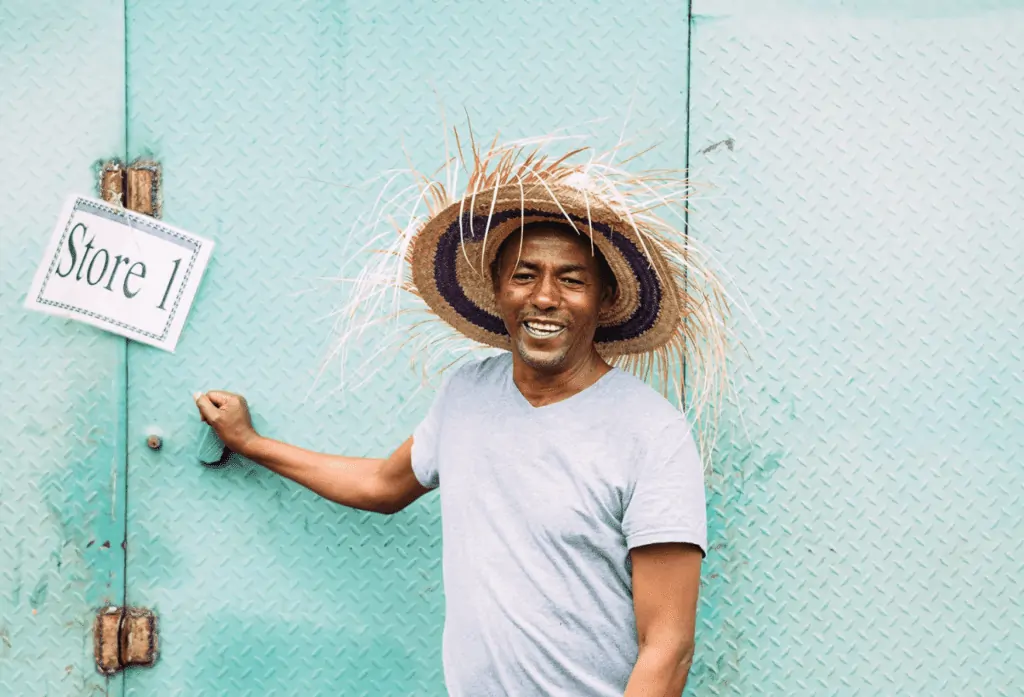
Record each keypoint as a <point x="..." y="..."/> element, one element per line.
<point x="228" y="415"/>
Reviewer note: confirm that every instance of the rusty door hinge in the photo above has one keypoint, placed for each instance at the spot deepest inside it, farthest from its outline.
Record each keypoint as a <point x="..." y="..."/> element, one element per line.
<point x="124" y="637"/>
<point x="136" y="187"/>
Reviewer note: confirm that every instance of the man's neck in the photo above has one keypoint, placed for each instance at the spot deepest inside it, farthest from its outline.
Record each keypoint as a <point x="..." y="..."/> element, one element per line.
<point x="541" y="388"/>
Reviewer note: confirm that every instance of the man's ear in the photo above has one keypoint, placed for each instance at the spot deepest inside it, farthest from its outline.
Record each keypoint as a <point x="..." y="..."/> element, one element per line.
<point x="495" y="276"/>
<point x="609" y="294"/>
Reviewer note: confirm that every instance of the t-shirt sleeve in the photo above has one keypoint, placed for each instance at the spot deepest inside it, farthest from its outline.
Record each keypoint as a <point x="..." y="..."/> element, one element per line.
<point x="668" y="500"/>
<point x="426" y="436"/>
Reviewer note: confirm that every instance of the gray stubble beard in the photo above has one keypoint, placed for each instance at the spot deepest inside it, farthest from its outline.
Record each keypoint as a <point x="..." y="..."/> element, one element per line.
<point x="526" y="355"/>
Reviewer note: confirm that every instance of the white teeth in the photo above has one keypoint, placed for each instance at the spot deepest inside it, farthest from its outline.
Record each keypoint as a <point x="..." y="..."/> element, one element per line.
<point x="542" y="329"/>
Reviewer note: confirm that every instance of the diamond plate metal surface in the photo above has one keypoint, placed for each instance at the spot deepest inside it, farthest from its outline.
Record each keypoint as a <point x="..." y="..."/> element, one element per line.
<point x="864" y="509"/>
<point x="61" y="383"/>
<point x="262" y="114"/>
<point x="866" y="531"/>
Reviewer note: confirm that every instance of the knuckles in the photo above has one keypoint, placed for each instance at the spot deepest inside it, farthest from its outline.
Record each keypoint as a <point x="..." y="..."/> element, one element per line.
<point x="232" y="407"/>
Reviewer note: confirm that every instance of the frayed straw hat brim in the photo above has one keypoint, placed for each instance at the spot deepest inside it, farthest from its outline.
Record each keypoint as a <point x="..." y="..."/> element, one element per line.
<point x="430" y="289"/>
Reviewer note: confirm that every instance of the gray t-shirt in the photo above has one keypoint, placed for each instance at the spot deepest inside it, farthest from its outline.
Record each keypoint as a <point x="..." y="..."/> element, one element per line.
<point x="539" y="509"/>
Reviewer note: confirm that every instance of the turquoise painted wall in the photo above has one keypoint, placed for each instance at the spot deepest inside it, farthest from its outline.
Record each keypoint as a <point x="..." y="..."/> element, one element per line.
<point x="863" y="166"/>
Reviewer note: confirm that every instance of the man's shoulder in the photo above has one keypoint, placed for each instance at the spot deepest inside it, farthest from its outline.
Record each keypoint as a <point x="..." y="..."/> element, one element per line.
<point x="637" y="393"/>
<point x="478" y="371"/>
<point x="641" y="406"/>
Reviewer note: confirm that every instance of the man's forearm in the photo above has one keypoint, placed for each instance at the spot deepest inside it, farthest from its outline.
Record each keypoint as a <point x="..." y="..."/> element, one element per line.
<point x="350" y="481"/>
<point x="659" y="672"/>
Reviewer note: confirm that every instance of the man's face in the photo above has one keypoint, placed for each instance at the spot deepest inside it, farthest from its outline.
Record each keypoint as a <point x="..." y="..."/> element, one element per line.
<point x="551" y="299"/>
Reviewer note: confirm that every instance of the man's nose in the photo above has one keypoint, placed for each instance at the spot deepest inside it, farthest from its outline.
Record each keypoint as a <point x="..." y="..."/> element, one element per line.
<point x="546" y="293"/>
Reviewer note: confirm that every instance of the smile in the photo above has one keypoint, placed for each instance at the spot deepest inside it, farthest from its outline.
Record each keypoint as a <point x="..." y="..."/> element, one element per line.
<point x="542" y="330"/>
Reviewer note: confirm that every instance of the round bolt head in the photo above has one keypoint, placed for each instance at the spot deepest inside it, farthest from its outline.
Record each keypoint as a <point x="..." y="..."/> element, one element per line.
<point x="154" y="442"/>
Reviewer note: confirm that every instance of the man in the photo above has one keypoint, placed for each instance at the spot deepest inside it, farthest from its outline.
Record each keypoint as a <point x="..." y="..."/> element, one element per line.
<point x="572" y="497"/>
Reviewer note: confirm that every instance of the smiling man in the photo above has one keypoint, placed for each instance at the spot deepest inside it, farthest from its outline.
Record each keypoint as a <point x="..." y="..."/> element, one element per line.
<point x="572" y="494"/>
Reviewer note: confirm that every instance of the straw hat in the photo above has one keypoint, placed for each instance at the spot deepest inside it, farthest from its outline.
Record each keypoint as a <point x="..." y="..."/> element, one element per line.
<point x="669" y="308"/>
<point x="452" y="255"/>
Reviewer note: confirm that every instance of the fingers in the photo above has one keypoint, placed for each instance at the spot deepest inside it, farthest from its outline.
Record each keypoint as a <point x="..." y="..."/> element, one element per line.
<point x="214" y="400"/>
<point x="207" y="409"/>
<point x="220" y="397"/>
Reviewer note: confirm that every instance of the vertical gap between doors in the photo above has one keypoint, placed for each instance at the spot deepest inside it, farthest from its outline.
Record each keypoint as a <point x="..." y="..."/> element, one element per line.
<point x="127" y="348"/>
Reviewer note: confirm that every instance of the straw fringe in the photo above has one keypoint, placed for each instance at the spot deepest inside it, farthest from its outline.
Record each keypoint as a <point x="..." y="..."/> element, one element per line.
<point x="697" y="349"/>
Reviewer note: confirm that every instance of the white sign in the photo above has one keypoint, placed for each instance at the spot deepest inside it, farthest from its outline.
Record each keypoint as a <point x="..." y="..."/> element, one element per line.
<point x="121" y="271"/>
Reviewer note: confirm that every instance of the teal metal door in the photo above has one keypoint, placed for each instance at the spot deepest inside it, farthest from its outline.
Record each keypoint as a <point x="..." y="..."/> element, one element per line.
<point x="868" y="159"/>
<point x="269" y="120"/>
<point x="62" y="386"/>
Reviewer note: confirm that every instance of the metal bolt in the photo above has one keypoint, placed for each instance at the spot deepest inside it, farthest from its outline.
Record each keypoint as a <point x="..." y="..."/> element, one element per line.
<point x="154" y="442"/>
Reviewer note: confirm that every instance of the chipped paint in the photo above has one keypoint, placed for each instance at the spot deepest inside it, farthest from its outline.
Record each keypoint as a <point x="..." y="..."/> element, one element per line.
<point x="37" y="598"/>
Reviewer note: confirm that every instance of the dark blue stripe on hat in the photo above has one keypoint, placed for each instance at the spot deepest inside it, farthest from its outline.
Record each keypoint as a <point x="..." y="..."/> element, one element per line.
<point x="642" y="319"/>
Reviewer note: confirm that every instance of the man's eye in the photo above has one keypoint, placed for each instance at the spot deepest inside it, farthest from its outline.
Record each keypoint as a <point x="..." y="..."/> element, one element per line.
<point x="574" y="281"/>
<point x="522" y="276"/>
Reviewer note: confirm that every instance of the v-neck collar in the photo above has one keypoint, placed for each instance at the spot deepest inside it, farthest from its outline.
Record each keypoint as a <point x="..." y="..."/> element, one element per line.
<point x="523" y="402"/>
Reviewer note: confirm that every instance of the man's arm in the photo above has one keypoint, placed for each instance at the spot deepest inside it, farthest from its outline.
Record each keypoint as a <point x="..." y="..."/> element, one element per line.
<point x="382" y="485"/>
<point x="666" y="581"/>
